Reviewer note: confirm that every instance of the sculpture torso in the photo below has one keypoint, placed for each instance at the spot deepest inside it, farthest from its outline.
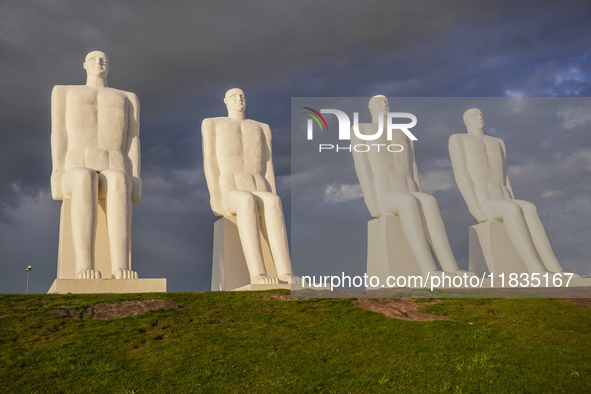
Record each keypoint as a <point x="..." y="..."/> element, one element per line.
<point x="241" y="149"/>
<point x="392" y="171"/>
<point x="486" y="164"/>
<point x="96" y="125"/>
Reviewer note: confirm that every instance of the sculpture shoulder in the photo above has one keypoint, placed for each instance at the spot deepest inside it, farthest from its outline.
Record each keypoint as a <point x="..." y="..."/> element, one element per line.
<point x="69" y="87"/>
<point x="215" y="120"/>
<point x="62" y="90"/>
<point x="211" y="123"/>
<point x="260" y="124"/>
<point x="494" y="140"/>
<point x="367" y="128"/>
<point x="59" y="89"/>
<point x="263" y="126"/>
<point x="458" y="138"/>
<point x="130" y="95"/>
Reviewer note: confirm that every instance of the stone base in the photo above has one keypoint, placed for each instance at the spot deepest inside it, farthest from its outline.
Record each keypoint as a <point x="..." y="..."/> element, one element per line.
<point x="229" y="270"/>
<point x="491" y="250"/>
<point x="294" y="287"/>
<point x="254" y="287"/>
<point x="580" y="282"/>
<point x="102" y="286"/>
<point x="66" y="262"/>
<point x="388" y="252"/>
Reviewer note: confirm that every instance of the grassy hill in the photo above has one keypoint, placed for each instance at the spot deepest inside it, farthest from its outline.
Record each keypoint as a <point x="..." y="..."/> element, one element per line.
<point x="254" y="342"/>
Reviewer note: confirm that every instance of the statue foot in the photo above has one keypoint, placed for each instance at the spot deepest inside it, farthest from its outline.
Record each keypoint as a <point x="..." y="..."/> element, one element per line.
<point x="460" y="272"/>
<point x="125" y="274"/>
<point x="437" y="273"/>
<point x="263" y="280"/>
<point x="564" y="273"/>
<point x="290" y="278"/>
<point x="88" y="274"/>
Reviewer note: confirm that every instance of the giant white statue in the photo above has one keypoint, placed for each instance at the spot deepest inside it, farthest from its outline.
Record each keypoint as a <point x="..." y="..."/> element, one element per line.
<point x="408" y="222"/>
<point x="238" y="167"/>
<point x="510" y="236"/>
<point x="95" y="151"/>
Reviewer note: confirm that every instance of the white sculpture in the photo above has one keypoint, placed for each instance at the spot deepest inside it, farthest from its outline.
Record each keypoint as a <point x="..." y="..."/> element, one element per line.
<point x="480" y="169"/>
<point x="96" y="156"/>
<point x="239" y="172"/>
<point x="391" y="187"/>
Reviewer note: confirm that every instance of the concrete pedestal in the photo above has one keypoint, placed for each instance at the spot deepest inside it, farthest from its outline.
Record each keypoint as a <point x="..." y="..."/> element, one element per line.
<point x="255" y="287"/>
<point x="388" y="252"/>
<point x="580" y="282"/>
<point x="229" y="271"/>
<point x="491" y="250"/>
<point x="66" y="262"/>
<point x="101" y="286"/>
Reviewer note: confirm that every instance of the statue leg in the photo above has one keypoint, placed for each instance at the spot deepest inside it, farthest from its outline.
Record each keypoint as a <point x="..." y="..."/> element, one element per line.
<point x="82" y="185"/>
<point x="271" y="210"/>
<point x="436" y="233"/>
<point x="539" y="236"/>
<point x="244" y="206"/>
<point x="513" y="216"/>
<point x="115" y="188"/>
<point x="406" y="206"/>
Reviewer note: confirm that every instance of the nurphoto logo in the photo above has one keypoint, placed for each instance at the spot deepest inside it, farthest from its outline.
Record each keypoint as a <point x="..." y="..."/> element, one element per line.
<point x="345" y="130"/>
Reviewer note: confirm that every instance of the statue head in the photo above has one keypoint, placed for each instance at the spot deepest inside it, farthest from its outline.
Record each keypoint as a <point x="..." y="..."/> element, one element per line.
<point x="473" y="119"/>
<point x="235" y="100"/>
<point x="96" y="64"/>
<point x="378" y="104"/>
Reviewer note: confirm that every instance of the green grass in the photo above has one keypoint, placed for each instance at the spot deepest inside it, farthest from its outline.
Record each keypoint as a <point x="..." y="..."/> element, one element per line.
<point x="240" y="342"/>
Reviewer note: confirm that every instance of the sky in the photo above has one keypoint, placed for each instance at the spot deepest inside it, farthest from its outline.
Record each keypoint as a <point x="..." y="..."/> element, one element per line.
<point x="181" y="57"/>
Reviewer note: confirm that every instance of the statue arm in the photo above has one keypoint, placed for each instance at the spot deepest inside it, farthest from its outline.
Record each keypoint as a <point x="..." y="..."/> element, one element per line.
<point x="507" y="183"/>
<point x="133" y="147"/>
<point x="59" y="140"/>
<point x="415" y="168"/>
<point x="463" y="179"/>
<point x="210" y="167"/>
<point x="366" y="179"/>
<point x="268" y="159"/>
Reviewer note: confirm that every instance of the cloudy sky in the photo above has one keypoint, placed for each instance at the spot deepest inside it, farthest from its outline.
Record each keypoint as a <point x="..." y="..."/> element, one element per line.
<point x="180" y="57"/>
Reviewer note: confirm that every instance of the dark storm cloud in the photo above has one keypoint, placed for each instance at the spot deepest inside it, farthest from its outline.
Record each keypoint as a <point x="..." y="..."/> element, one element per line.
<point x="180" y="58"/>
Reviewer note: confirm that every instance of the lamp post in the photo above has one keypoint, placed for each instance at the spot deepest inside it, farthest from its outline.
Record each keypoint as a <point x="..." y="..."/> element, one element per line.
<point x="29" y="268"/>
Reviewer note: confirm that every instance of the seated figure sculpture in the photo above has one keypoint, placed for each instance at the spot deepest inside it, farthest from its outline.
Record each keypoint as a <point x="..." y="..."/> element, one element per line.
<point x="238" y="167"/>
<point x="391" y="188"/>
<point x="480" y="169"/>
<point x="96" y="159"/>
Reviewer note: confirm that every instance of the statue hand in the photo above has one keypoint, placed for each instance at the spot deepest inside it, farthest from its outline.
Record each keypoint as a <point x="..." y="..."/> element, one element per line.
<point x="479" y="215"/>
<point x="217" y="206"/>
<point x="136" y="189"/>
<point x="57" y="190"/>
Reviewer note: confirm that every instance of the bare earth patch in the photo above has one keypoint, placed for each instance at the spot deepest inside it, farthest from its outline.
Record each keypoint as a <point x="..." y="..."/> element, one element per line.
<point x="120" y="309"/>
<point x="581" y="301"/>
<point x="280" y="297"/>
<point x="398" y="308"/>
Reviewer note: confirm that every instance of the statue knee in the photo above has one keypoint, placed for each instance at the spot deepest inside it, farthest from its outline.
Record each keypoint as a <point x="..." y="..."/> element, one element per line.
<point x="118" y="180"/>
<point x="408" y="201"/>
<point x="83" y="178"/>
<point x="512" y="209"/>
<point x="427" y="199"/>
<point x="247" y="202"/>
<point x="529" y="208"/>
<point x="273" y="203"/>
